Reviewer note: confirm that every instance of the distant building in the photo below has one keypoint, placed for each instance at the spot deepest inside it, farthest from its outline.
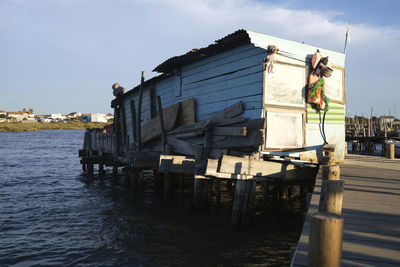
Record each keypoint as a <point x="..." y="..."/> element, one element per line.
<point x="17" y="116"/>
<point x="57" y="116"/>
<point x="94" y="117"/>
<point x="2" y="112"/>
<point x="109" y="116"/>
<point x="74" y="115"/>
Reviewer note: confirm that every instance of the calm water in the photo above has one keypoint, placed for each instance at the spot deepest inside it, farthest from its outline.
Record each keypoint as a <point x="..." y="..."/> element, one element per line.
<point x="50" y="217"/>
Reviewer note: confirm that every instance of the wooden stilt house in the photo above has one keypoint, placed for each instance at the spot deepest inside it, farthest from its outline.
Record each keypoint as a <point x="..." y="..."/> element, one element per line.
<point x="223" y="104"/>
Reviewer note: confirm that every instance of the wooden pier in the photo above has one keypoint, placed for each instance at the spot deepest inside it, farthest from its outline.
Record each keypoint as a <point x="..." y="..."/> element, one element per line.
<point x="371" y="213"/>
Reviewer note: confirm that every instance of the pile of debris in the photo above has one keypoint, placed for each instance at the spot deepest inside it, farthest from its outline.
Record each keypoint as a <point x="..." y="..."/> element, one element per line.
<point x="227" y="132"/>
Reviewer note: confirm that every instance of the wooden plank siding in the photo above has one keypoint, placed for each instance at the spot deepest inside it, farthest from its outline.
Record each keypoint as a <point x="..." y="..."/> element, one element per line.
<point x="222" y="80"/>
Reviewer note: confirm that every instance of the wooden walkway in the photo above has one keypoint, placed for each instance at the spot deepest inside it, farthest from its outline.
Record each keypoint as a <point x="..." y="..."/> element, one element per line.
<point x="371" y="212"/>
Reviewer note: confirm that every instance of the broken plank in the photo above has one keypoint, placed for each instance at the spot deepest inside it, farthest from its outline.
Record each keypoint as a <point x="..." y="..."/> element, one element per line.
<point x="247" y="166"/>
<point x="152" y="129"/>
<point x="253" y="138"/>
<point x="187" y="113"/>
<point x="230" y="131"/>
<point x="234" y="120"/>
<point x="190" y="128"/>
<point x="182" y="147"/>
<point x="230" y="112"/>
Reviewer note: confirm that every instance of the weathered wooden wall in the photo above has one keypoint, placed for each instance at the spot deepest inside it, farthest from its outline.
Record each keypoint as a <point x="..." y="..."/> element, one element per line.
<point x="218" y="82"/>
<point x="215" y="83"/>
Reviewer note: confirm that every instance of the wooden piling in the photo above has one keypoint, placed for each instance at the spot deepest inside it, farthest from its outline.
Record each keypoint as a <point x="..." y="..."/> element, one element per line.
<point x="139" y="124"/>
<point x="243" y="204"/>
<point x="163" y="132"/>
<point x="101" y="169"/>
<point x="325" y="244"/>
<point x="134" y="123"/>
<point x="330" y="172"/>
<point x="218" y="192"/>
<point x="201" y="192"/>
<point x="390" y="151"/>
<point x="90" y="168"/>
<point x="168" y="186"/>
<point x="331" y="199"/>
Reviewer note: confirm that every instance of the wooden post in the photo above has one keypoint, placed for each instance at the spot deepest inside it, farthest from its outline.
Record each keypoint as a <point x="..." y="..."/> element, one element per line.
<point x="218" y="192"/>
<point x="325" y="244"/>
<point x="390" y="151"/>
<point x="139" y="120"/>
<point x="115" y="170"/>
<point x="201" y="192"/>
<point x="182" y="186"/>
<point x="90" y="168"/>
<point x="331" y="196"/>
<point x="101" y="169"/>
<point x="202" y="189"/>
<point x="330" y="172"/>
<point x="134" y="123"/>
<point x="163" y="133"/>
<point x="168" y="186"/>
<point x="243" y="205"/>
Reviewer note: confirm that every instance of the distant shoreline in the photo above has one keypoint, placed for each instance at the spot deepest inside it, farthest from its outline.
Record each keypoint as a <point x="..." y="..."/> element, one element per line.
<point x="39" y="126"/>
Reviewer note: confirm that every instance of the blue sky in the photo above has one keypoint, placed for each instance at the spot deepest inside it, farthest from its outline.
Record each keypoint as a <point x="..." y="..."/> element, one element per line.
<point x="59" y="56"/>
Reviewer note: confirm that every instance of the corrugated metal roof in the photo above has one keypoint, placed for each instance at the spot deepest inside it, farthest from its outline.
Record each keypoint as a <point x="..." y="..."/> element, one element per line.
<point x="233" y="40"/>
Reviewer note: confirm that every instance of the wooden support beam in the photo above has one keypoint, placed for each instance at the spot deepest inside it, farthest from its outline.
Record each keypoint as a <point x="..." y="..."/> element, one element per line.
<point x="101" y="169"/>
<point x="152" y="129"/>
<point x="242" y="211"/>
<point x="201" y="192"/>
<point x="169" y="188"/>
<point x="139" y="120"/>
<point x="134" y="122"/>
<point x="163" y="133"/>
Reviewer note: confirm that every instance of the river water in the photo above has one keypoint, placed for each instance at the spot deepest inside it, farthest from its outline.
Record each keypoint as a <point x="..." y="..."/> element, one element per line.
<point x="50" y="216"/>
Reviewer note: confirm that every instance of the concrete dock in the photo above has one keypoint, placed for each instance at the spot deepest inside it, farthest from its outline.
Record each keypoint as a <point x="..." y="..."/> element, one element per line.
<point x="371" y="212"/>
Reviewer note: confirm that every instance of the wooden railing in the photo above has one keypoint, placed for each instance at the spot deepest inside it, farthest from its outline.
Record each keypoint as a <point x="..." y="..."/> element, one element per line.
<point x="99" y="142"/>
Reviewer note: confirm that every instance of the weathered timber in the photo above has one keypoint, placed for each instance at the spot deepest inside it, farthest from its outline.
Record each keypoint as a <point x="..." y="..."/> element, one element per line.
<point x="330" y="172"/>
<point x="228" y="113"/>
<point x="201" y="192"/>
<point x="390" y="151"/>
<point x="187" y="113"/>
<point x="207" y="142"/>
<point x="247" y="166"/>
<point x="139" y="120"/>
<point x="151" y="129"/>
<point x="181" y="147"/>
<point x="230" y="121"/>
<point x="230" y="131"/>
<point x="331" y="196"/>
<point x="253" y="138"/>
<point x="176" y="164"/>
<point x="161" y="118"/>
<point x="197" y="127"/>
<point x="325" y="248"/>
<point x="252" y="124"/>
<point x="134" y="123"/>
<point x="242" y="211"/>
